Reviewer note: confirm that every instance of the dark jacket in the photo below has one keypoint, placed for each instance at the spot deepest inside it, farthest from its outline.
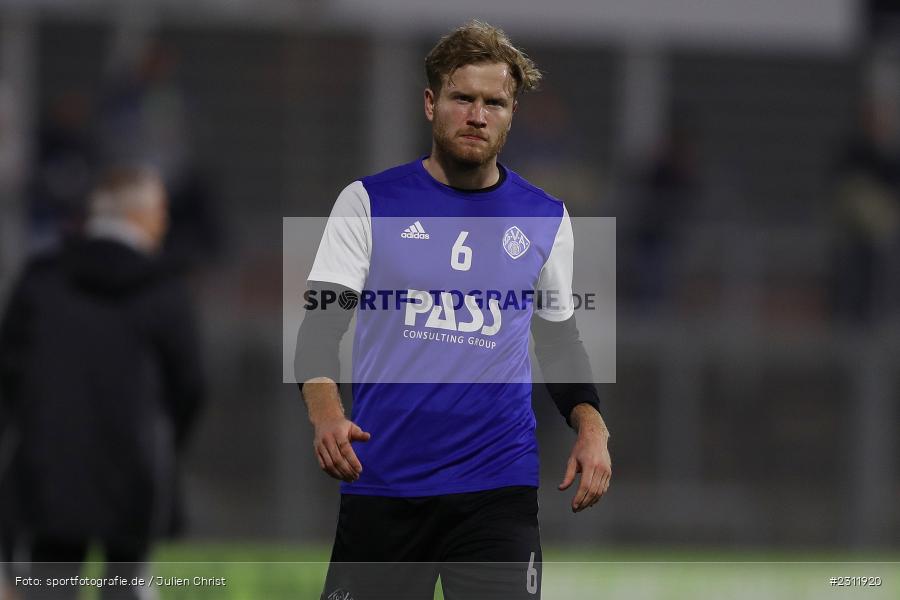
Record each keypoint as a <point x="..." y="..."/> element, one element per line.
<point x="101" y="381"/>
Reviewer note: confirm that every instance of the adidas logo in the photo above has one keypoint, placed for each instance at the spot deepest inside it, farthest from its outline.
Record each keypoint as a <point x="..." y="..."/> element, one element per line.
<point x="415" y="232"/>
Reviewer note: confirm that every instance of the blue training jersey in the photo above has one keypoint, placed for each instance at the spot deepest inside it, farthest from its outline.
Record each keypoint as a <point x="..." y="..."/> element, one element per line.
<point x="448" y="281"/>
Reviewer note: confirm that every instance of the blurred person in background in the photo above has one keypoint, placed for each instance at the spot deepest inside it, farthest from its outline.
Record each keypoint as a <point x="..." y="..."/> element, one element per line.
<point x="443" y="477"/>
<point x="666" y="189"/>
<point x="65" y="169"/>
<point x="144" y="117"/>
<point x="866" y="216"/>
<point x="101" y="381"/>
<point x="550" y="147"/>
<point x="7" y="527"/>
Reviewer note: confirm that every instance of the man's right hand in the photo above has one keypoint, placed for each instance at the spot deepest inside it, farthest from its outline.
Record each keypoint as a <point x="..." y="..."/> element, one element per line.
<point x="333" y="450"/>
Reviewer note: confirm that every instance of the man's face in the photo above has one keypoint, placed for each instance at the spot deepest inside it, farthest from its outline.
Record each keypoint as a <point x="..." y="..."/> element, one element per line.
<point x="473" y="113"/>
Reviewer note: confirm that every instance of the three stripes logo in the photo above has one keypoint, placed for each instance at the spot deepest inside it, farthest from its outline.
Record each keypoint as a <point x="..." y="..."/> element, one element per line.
<point x="415" y="232"/>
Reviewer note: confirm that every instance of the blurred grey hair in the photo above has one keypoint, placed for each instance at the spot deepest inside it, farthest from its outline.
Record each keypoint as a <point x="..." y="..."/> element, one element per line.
<point x="125" y="189"/>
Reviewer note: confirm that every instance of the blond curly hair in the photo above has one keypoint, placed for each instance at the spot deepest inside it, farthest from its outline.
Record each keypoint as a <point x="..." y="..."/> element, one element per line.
<point x="478" y="42"/>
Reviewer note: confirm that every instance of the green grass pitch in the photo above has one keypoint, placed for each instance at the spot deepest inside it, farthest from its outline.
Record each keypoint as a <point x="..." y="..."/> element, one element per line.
<point x="263" y="572"/>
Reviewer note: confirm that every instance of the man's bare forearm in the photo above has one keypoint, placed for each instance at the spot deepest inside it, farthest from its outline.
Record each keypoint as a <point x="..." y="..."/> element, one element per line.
<point x="323" y="401"/>
<point x="586" y="419"/>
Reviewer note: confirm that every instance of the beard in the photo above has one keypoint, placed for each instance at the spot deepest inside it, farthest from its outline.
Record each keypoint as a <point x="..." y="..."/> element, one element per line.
<point x="453" y="146"/>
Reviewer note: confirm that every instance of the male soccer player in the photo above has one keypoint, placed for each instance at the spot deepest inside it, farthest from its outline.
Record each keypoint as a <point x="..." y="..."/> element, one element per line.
<point x="439" y="462"/>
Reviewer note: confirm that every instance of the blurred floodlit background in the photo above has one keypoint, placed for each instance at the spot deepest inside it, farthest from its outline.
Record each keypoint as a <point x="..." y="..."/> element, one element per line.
<point x="750" y="152"/>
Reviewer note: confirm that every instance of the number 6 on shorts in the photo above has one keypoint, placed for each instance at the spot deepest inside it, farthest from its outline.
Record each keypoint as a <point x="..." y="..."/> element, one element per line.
<point x="531" y="579"/>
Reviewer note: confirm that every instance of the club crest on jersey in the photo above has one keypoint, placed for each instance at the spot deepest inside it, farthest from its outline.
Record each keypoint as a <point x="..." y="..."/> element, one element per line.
<point x="515" y="242"/>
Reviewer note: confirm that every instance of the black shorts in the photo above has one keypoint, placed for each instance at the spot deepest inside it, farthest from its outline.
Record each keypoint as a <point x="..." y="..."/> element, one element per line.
<point x="483" y="545"/>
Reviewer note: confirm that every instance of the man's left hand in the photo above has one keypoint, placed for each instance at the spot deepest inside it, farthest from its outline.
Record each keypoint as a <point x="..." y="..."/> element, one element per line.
<point x="590" y="457"/>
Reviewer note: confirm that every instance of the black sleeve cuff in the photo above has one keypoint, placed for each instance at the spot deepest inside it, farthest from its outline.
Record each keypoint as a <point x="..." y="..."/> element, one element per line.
<point x="565" y="365"/>
<point x="567" y="396"/>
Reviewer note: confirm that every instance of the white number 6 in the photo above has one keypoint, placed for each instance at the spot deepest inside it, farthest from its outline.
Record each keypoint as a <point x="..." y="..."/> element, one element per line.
<point x="531" y="582"/>
<point x="461" y="256"/>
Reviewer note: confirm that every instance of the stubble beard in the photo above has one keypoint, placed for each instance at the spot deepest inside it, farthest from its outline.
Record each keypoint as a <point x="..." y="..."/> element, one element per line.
<point x="450" y="147"/>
